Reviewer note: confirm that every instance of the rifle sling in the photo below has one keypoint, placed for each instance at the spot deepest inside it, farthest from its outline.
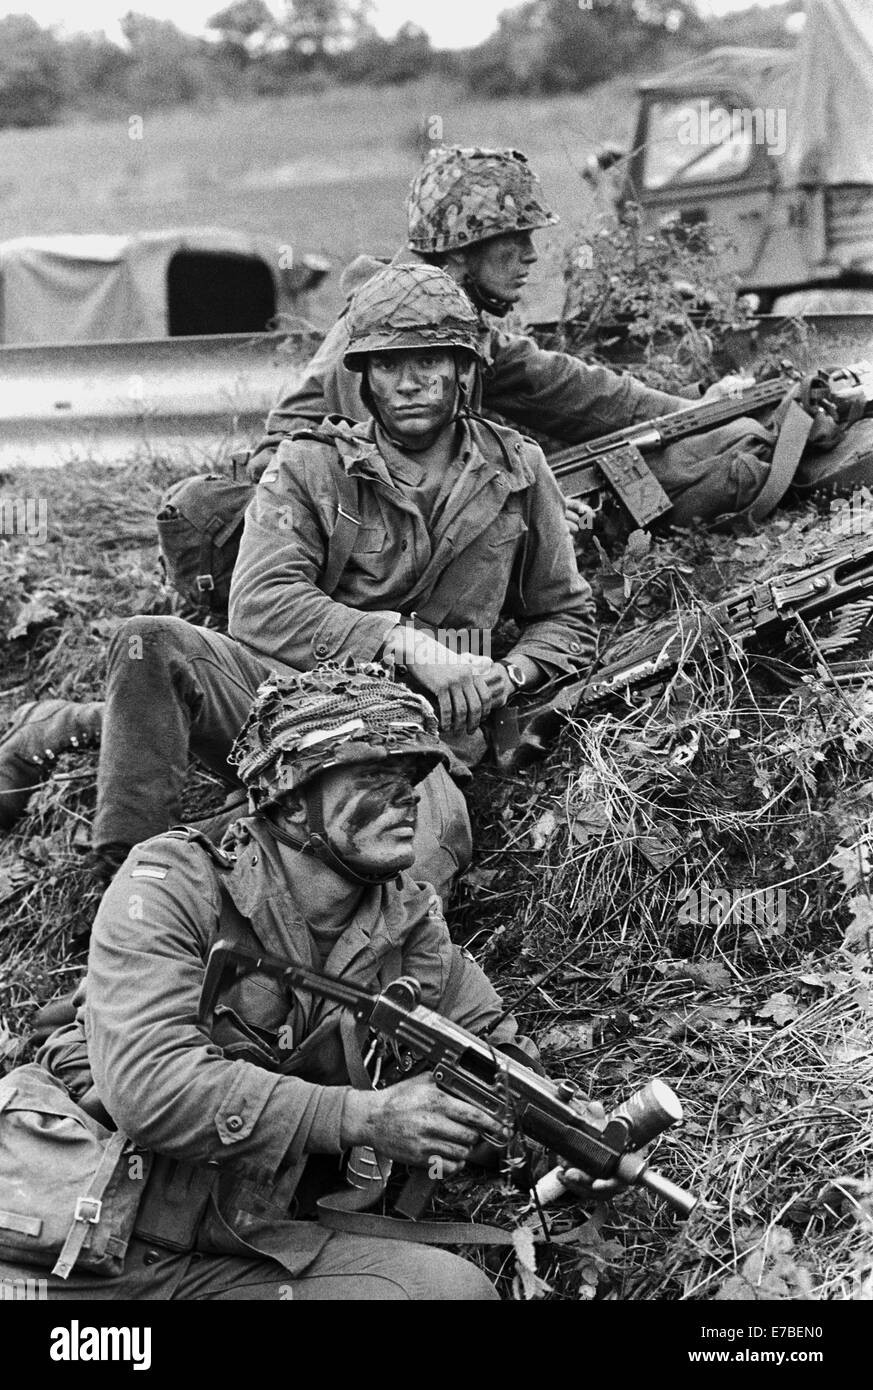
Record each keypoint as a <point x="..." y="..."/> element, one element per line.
<point x="343" y="1211"/>
<point x="793" y="434"/>
<point x="345" y="532"/>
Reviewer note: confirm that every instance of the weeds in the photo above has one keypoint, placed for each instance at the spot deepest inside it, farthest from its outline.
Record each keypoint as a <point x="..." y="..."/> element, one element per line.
<point x="758" y="1016"/>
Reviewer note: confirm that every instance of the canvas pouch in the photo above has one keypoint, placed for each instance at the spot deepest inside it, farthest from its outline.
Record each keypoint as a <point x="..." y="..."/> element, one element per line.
<point x="70" y="1188"/>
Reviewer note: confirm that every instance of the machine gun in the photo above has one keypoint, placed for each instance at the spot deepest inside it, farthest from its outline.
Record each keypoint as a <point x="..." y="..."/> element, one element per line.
<point x="615" y="461"/>
<point x="523" y="729"/>
<point x="472" y="1069"/>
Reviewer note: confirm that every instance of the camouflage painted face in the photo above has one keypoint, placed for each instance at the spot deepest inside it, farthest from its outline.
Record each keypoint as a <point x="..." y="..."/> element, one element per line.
<point x="463" y="196"/>
<point x="410" y="306"/>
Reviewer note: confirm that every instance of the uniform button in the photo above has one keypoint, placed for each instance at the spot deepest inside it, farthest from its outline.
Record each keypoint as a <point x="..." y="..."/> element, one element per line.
<point x="151" y="1257"/>
<point x="321" y="649"/>
<point x="234" y="1123"/>
<point x="404" y="545"/>
<point x="575" y="646"/>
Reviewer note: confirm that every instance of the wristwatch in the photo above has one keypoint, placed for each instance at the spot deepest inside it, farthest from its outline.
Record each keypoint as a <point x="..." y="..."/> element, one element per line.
<point x="515" y="674"/>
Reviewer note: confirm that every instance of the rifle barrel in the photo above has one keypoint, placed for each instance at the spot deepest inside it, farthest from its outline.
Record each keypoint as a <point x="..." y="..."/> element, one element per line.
<point x="652" y="434"/>
<point x="682" y="1202"/>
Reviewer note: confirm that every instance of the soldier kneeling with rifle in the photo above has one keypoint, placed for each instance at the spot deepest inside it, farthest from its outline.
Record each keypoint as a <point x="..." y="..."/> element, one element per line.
<point x="248" y="1116"/>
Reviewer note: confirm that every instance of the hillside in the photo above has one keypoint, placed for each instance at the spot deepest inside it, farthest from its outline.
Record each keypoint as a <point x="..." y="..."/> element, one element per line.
<point x="323" y="172"/>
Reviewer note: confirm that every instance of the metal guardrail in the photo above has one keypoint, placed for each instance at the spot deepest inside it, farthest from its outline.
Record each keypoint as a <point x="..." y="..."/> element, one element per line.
<point x="200" y="398"/>
<point x="116" y="400"/>
<point x="832" y="337"/>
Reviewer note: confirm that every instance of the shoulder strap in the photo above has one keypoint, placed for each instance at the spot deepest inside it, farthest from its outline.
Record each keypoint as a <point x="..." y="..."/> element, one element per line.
<point x="794" y="429"/>
<point x="341" y="541"/>
<point x="342" y="1211"/>
<point x="493" y="430"/>
<point x="345" y="531"/>
<point x="89" y="1206"/>
<point x="196" y="837"/>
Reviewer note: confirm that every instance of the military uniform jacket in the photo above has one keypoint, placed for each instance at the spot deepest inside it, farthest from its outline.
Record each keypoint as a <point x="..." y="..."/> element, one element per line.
<point x="239" y="1098"/>
<point x="500" y="544"/>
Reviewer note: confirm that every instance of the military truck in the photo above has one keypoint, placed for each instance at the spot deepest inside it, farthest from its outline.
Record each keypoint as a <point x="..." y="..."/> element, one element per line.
<point x="157" y="340"/>
<point x="773" y="148"/>
<point x="175" y="283"/>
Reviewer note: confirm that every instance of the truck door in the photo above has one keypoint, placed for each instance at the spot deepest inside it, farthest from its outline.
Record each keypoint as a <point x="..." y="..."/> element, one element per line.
<point x="710" y="157"/>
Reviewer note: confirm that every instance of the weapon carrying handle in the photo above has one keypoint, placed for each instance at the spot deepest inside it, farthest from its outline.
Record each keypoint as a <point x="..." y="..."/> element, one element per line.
<point x="417" y="1192"/>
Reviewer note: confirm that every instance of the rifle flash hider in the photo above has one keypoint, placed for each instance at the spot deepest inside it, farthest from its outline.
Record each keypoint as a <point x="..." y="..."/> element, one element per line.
<point x="646" y="1114"/>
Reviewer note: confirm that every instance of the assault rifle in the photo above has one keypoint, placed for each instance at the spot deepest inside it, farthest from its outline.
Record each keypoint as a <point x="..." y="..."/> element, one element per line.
<point x="615" y="461"/>
<point x="470" y="1068"/>
<point x="522" y="730"/>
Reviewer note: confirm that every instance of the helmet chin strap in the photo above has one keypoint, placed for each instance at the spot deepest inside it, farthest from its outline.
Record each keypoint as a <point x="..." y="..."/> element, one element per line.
<point x="483" y="301"/>
<point x="317" y="845"/>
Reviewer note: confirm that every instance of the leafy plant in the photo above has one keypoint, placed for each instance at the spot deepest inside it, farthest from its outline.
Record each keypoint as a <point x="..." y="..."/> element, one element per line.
<point x="666" y="290"/>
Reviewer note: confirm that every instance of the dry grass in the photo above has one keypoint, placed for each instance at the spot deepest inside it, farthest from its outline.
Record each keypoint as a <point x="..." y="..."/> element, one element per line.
<point x="755" y="1008"/>
<point x="760" y="1019"/>
<point x="99" y="564"/>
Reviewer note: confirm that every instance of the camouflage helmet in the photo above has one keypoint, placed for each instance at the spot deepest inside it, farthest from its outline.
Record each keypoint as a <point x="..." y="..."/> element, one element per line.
<point x="461" y="196"/>
<point x="333" y="716"/>
<point x="410" y="306"/>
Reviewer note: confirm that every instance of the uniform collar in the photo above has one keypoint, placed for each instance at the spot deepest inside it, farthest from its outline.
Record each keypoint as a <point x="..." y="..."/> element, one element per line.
<point x="412" y="469"/>
<point x="259" y="881"/>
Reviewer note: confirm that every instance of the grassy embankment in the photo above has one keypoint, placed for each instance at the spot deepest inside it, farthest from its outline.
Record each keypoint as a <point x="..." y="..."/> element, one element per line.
<point x="757" y="1011"/>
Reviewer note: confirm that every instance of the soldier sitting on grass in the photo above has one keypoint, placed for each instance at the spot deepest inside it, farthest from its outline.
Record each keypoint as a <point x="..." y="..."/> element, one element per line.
<point x="366" y="541"/>
<point x="252" y="1115"/>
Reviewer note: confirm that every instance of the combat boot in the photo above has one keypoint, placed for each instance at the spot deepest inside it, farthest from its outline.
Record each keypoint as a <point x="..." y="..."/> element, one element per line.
<point x="39" y="732"/>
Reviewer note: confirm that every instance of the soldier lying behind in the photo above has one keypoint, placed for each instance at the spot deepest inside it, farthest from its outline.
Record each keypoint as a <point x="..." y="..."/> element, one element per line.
<point x="473" y="212"/>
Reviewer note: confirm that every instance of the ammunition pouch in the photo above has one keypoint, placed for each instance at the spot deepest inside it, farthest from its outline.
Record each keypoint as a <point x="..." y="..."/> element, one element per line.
<point x="174" y="1203"/>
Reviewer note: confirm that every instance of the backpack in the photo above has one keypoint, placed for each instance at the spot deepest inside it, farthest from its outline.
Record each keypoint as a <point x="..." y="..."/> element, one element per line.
<point x="200" y="526"/>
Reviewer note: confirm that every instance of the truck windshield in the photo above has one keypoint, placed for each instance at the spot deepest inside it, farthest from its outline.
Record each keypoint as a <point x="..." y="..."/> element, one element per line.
<point x="696" y="139"/>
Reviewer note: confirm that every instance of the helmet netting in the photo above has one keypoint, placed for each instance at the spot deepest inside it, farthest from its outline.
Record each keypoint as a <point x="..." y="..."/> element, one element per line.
<point x="333" y="715"/>
<point x="462" y="196"/>
<point x="409" y="306"/>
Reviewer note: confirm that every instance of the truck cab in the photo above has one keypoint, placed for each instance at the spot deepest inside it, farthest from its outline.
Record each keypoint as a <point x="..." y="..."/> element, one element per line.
<point x="773" y="148"/>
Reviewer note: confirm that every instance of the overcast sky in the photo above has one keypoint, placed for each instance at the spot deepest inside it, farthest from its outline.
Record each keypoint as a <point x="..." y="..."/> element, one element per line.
<point x="450" y="23"/>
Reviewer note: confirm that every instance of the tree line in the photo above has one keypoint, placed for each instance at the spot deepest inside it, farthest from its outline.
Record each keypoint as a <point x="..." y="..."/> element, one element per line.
<point x="542" y="47"/>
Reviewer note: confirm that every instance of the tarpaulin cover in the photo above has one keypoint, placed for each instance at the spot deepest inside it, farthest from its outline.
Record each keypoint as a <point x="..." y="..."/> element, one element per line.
<point x="73" y="289"/>
<point x="824" y="84"/>
<point x="830" y="129"/>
